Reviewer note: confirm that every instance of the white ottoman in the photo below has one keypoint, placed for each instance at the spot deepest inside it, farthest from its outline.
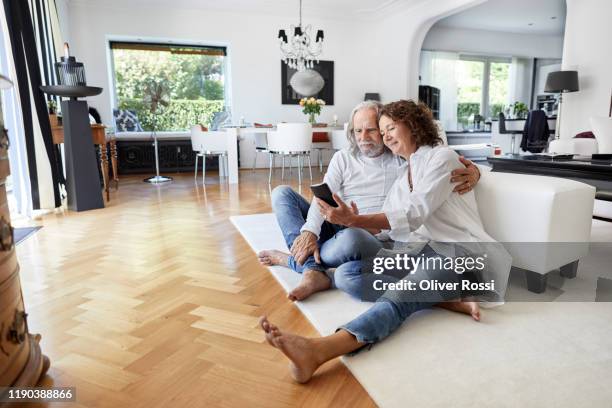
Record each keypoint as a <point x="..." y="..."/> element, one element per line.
<point x="552" y="215"/>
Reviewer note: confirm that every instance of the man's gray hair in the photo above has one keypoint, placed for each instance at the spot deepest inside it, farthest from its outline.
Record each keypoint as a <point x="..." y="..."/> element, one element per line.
<point x="350" y="131"/>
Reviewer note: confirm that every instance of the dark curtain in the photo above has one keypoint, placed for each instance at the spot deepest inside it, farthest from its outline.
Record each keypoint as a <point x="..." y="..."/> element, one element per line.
<point x="25" y="54"/>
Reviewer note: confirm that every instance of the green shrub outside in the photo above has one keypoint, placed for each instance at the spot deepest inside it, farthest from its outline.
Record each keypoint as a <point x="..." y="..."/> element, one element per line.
<point x="496" y="108"/>
<point x="465" y="110"/>
<point x="180" y="114"/>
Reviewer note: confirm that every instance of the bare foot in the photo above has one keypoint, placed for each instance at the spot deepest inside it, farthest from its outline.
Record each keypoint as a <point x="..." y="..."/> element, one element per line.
<point x="273" y="257"/>
<point x="312" y="282"/>
<point x="469" y="308"/>
<point x="299" y="350"/>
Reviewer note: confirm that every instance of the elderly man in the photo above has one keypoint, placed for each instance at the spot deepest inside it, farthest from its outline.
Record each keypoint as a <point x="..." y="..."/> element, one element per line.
<point x="361" y="175"/>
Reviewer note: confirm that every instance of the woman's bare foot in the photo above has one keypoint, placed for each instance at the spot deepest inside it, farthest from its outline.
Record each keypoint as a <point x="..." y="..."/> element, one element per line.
<point x="271" y="257"/>
<point x="312" y="282"/>
<point x="299" y="350"/>
<point x="469" y="308"/>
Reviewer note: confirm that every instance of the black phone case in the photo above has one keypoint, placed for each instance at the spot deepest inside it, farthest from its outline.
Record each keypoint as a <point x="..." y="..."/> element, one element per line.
<point x="322" y="192"/>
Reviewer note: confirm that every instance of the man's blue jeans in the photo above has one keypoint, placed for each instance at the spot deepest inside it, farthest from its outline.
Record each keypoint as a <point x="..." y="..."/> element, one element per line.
<point x="393" y="307"/>
<point x="337" y="244"/>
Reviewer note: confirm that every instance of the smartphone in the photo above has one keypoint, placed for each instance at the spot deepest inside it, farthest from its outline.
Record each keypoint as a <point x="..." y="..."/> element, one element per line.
<point x="322" y="192"/>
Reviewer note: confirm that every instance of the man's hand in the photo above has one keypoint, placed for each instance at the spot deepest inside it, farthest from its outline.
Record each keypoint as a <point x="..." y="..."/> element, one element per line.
<point x="341" y="215"/>
<point x="304" y="246"/>
<point x="465" y="177"/>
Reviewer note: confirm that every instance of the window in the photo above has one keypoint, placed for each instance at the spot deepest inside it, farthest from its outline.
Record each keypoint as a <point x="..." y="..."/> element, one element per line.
<point x="499" y="81"/>
<point x="471" y="87"/>
<point x="190" y="79"/>
<point x="469" y="76"/>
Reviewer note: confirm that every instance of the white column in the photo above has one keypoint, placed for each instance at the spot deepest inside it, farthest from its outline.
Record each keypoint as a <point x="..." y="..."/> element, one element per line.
<point x="232" y="154"/>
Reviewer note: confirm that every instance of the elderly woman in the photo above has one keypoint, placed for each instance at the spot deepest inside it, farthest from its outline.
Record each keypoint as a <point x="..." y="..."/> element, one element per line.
<point x="420" y="207"/>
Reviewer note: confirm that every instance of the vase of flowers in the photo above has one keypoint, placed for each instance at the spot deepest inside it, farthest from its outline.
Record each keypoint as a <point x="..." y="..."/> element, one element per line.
<point x="312" y="108"/>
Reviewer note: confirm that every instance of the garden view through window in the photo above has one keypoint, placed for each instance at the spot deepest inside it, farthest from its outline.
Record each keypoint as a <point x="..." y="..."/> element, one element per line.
<point x="188" y="80"/>
<point x="482" y="89"/>
<point x="473" y="88"/>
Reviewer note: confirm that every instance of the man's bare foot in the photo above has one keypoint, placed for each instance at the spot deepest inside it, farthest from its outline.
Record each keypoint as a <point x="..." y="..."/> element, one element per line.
<point x="312" y="282"/>
<point x="271" y="257"/>
<point x="469" y="308"/>
<point x="299" y="350"/>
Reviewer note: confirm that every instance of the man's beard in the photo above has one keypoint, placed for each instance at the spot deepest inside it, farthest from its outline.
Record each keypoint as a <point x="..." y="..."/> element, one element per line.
<point x="371" y="149"/>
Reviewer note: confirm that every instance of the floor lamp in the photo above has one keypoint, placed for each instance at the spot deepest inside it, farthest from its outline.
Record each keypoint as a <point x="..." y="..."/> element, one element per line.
<point x="561" y="82"/>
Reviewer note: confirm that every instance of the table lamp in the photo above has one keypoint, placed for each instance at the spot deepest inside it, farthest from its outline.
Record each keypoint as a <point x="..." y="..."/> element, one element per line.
<point x="561" y="82"/>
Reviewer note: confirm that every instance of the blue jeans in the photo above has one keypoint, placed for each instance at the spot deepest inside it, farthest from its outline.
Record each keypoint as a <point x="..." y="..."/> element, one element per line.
<point x="393" y="307"/>
<point x="337" y="244"/>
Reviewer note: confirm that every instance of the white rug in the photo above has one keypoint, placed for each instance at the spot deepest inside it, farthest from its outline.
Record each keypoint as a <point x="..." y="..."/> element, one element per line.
<point x="556" y="354"/>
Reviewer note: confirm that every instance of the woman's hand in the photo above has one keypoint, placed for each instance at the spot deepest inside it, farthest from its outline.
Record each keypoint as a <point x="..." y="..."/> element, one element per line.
<point x="341" y="215"/>
<point x="465" y="177"/>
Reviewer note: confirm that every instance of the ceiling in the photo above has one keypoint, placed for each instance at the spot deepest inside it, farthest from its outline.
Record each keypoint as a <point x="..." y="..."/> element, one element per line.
<point x="336" y="9"/>
<point x="513" y="16"/>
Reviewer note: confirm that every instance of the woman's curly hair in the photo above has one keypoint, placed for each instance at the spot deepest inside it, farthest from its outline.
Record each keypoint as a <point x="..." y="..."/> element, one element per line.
<point x="417" y="117"/>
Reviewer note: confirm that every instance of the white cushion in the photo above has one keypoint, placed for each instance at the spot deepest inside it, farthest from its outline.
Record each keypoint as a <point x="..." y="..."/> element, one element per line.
<point x="581" y="146"/>
<point x="561" y="146"/>
<point x="519" y="208"/>
<point x="602" y="129"/>
<point x="585" y="147"/>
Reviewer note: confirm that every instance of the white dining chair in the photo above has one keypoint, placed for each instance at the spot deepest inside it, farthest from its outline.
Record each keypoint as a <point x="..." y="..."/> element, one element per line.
<point x="293" y="140"/>
<point x="209" y="143"/>
<point x="339" y="139"/>
<point x="261" y="146"/>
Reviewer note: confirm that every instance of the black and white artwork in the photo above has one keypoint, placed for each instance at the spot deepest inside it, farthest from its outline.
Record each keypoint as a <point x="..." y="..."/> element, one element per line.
<point x="324" y="68"/>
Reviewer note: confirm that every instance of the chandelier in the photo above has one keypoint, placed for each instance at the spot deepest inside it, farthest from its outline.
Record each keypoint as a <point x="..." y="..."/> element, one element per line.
<point x="300" y="52"/>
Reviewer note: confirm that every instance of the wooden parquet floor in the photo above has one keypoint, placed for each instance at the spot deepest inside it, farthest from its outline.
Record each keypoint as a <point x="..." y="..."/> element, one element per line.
<point x="154" y="301"/>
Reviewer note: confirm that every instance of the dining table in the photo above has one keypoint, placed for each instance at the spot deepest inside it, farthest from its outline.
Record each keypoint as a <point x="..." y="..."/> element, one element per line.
<point x="237" y="132"/>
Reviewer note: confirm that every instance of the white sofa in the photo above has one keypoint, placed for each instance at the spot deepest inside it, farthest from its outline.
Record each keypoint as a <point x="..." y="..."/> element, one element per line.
<point x="552" y="215"/>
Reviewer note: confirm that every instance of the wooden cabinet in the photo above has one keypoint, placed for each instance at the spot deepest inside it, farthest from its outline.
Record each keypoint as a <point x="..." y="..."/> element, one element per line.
<point x="21" y="361"/>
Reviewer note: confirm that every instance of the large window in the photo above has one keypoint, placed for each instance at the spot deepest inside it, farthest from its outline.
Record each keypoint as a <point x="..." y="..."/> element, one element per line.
<point x="190" y="80"/>
<point x="499" y="83"/>
<point x="469" y="76"/>
<point x="472" y="88"/>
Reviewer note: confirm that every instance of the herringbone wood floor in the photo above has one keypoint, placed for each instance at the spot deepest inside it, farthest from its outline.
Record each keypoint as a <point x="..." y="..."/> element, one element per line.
<point x="154" y="300"/>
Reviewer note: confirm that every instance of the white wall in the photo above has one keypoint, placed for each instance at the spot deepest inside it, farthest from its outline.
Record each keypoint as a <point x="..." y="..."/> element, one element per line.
<point x="400" y="37"/>
<point x="587" y="49"/>
<point x="374" y="56"/>
<point x="493" y="42"/>
<point x="63" y="14"/>
<point x="370" y="55"/>
<point x="253" y="53"/>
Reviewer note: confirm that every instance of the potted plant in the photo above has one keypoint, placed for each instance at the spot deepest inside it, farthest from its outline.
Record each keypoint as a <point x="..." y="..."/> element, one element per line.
<point x="519" y="110"/>
<point x="52" y="107"/>
<point x="312" y="108"/>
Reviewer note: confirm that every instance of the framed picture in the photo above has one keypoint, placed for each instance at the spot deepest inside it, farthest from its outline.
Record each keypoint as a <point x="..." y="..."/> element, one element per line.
<point x="290" y="97"/>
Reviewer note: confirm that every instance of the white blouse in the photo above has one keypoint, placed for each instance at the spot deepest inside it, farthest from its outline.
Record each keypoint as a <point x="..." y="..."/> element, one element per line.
<point x="433" y="212"/>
